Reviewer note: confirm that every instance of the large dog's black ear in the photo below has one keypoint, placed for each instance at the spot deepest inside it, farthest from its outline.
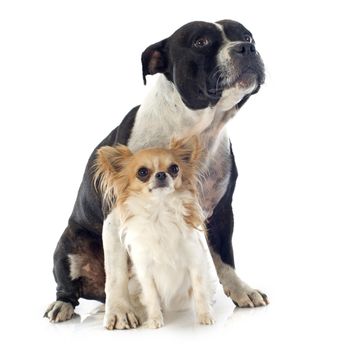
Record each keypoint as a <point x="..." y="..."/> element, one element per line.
<point x="154" y="59"/>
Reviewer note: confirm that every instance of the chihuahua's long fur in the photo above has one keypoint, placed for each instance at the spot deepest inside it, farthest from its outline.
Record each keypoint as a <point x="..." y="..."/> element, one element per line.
<point x="152" y="195"/>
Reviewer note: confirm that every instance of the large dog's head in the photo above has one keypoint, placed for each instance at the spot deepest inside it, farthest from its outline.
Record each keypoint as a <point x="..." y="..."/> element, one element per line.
<point x="205" y="61"/>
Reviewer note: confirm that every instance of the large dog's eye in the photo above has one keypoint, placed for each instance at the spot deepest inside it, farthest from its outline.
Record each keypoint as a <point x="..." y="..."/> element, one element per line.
<point x="173" y="169"/>
<point x="201" y="42"/>
<point x="142" y="174"/>
<point x="248" y="38"/>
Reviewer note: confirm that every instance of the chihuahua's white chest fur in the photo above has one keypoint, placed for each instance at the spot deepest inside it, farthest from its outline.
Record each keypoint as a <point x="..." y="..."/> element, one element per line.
<point x="169" y="257"/>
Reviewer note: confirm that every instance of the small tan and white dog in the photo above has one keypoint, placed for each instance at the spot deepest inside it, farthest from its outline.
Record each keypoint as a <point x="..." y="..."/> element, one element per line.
<point x="154" y="204"/>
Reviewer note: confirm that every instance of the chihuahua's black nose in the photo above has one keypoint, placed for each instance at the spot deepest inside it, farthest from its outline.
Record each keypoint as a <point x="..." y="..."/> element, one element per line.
<point x="161" y="176"/>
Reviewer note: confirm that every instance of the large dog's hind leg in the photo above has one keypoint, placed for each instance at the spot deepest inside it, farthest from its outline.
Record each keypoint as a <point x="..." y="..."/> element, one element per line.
<point x="78" y="271"/>
<point x="67" y="291"/>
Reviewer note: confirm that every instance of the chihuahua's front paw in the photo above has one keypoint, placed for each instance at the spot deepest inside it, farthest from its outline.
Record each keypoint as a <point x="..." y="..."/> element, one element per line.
<point x="120" y="318"/>
<point x="206" y="319"/>
<point x="154" y="322"/>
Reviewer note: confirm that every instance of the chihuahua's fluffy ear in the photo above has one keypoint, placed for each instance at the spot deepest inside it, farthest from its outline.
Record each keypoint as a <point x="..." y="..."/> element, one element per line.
<point x="112" y="159"/>
<point x="187" y="149"/>
<point x="109" y="165"/>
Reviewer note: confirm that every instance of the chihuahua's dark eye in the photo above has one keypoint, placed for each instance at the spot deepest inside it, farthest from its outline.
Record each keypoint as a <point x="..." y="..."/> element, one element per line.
<point x="173" y="169"/>
<point x="142" y="173"/>
<point x="201" y="42"/>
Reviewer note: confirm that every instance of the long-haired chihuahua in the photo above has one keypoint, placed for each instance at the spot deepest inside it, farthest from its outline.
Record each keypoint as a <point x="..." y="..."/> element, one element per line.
<point x="152" y="194"/>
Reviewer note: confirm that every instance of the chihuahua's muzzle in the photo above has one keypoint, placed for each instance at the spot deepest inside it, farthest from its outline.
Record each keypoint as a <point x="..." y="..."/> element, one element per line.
<point x="161" y="180"/>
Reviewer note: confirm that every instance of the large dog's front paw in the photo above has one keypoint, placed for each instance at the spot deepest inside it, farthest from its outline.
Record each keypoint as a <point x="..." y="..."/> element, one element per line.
<point x="240" y="292"/>
<point x="120" y="318"/>
<point x="245" y="296"/>
<point x="59" y="311"/>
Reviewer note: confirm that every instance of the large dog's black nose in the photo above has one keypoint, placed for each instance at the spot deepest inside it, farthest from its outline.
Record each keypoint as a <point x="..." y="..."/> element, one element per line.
<point x="244" y="49"/>
<point x="161" y="176"/>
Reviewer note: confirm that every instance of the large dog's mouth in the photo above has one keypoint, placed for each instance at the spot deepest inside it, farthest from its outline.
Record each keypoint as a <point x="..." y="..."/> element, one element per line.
<point x="243" y="79"/>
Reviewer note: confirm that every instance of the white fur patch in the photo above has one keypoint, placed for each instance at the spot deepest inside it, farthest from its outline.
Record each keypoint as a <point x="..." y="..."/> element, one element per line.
<point x="75" y="265"/>
<point x="230" y="97"/>
<point x="164" y="115"/>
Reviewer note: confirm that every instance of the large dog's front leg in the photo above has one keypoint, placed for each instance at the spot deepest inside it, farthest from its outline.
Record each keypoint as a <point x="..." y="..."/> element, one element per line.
<point x="119" y="313"/>
<point x="220" y="229"/>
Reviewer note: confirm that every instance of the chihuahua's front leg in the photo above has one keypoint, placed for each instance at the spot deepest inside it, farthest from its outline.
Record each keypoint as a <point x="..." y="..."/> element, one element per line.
<point x="119" y="313"/>
<point x="149" y="294"/>
<point x="201" y="296"/>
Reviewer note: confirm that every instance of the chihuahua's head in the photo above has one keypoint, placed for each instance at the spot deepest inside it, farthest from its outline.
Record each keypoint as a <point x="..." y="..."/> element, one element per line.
<point x="153" y="172"/>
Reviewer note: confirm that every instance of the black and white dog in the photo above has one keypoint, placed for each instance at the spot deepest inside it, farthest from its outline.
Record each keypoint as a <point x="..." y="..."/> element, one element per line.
<point x="208" y="71"/>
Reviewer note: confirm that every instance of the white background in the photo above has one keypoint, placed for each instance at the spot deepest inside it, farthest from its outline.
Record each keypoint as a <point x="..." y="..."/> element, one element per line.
<point x="70" y="71"/>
